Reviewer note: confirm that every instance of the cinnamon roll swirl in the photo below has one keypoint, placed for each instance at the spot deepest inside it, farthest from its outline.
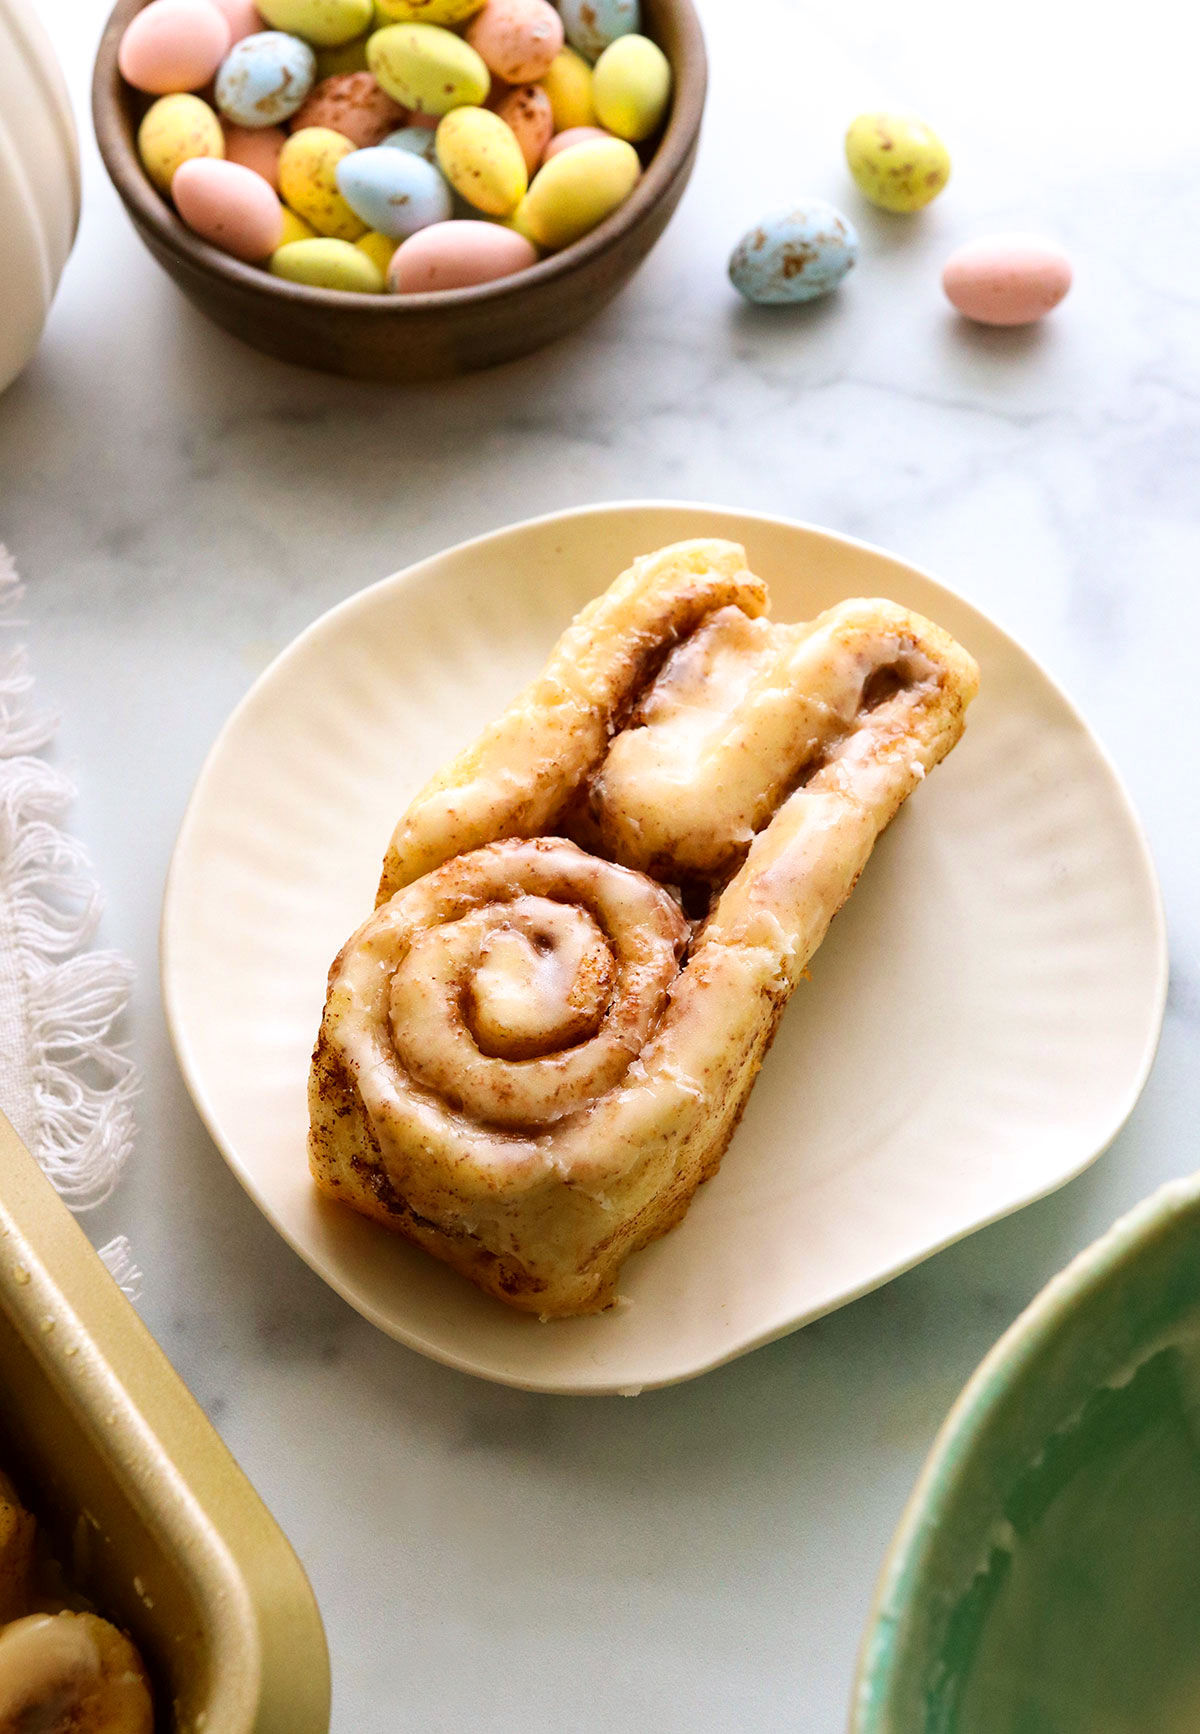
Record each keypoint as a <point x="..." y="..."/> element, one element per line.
<point x="588" y="925"/>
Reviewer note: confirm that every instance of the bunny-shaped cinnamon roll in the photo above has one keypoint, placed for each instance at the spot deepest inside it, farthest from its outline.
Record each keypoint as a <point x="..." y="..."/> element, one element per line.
<point x="589" y="924"/>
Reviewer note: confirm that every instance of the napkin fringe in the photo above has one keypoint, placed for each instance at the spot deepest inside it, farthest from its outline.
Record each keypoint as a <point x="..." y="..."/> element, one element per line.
<point x="84" y="1084"/>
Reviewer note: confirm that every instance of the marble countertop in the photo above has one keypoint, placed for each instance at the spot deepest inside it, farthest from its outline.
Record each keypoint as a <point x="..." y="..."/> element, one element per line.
<point x="703" y="1557"/>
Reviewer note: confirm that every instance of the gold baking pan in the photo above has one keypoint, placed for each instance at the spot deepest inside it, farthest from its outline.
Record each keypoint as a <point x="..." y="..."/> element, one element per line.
<point x="148" y="1511"/>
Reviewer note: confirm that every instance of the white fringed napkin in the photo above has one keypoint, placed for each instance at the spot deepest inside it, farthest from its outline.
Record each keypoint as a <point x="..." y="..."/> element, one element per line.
<point x="67" y="1087"/>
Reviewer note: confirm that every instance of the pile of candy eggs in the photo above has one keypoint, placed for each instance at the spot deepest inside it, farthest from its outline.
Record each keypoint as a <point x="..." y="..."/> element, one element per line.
<point x="399" y="145"/>
<point x="899" y="164"/>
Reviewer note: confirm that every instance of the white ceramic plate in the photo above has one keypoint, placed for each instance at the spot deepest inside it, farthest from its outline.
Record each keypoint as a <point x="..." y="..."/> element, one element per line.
<point x="978" y="1026"/>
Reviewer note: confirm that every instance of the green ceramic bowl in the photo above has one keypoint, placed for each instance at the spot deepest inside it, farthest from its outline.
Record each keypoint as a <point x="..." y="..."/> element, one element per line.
<point x="1045" y="1578"/>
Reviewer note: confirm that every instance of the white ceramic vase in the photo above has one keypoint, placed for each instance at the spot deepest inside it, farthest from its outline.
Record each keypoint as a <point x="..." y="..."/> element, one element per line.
<point x="39" y="182"/>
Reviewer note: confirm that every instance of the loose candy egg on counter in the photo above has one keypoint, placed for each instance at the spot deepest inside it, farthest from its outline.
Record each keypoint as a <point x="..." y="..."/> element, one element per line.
<point x="295" y="228"/>
<point x="308" y="165"/>
<point x="173" y="45"/>
<point x="417" y="139"/>
<point x="327" y="264"/>
<point x="353" y="104"/>
<point x="568" y="84"/>
<point x="427" y="68"/>
<point x="242" y="17"/>
<point x="324" y="23"/>
<point x="592" y="25"/>
<point x="796" y="255"/>
<point x="576" y="190"/>
<point x="378" y="249"/>
<point x="526" y="110"/>
<point x="174" y="129"/>
<point x="631" y="87"/>
<point x="230" y="206"/>
<point x="264" y="79"/>
<point x="897" y="162"/>
<point x="517" y="39"/>
<point x="257" y="148"/>
<point x="480" y="157"/>
<point x="444" y="12"/>
<point x="458" y="255"/>
<point x="393" y="191"/>
<point x="574" y="135"/>
<point x="1007" y="279"/>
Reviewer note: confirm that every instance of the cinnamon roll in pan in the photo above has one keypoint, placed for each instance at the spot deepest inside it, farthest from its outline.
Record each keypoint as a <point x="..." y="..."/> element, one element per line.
<point x="589" y="924"/>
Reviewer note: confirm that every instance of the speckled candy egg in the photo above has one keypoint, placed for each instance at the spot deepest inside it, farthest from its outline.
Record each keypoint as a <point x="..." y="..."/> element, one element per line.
<point x="393" y="191"/>
<point x="568" y="84"/>
<point x="631" y="87"/>
<point x="378" y="249"/>
<point x="481" y="159"/>
<point x="517" y="39"/>
<point x="296" y="229"/>
<point x="1007" y="279"/>
<point x="308" y="165"/>
<point x="458" y="255"/>
<point x="173" y="45"/>
<point x="427" y="68"/>
<point x="324" y="23"/>
<point x="328" y="264"/>
<point x="257" y="148"/>
<point x="576" y="190"/>
<point x="527" y="112"/>
<point x="592" y="25"/>
<point x="230" y="206"/>
<point x="796" y="255"/>
<point x="352" y="104"/>
<point x="264" y="78"/>
<point x="174" y="129"/>
<point x="897" y="162"/>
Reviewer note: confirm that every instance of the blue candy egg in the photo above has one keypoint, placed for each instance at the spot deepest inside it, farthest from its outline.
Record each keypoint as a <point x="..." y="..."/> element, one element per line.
<point x="795" y="255"/>
<point x="592" y="24"/>
<point x="393" y="191"/>
<point x="264" y="78"/>
<point x="420" y="140"/>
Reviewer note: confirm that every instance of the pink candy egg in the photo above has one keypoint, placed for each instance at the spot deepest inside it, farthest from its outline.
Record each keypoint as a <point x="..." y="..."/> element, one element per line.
<point x="257" y="148"/>
<point x="457" y="255"/>
<point x="353" y="104"/>
<point x="527" y="112"/>
<point x="573" y="135"/>
<point x="1007" y="279"/>
<point x="242" y="17"/>
<point x="173" y="45"/>
<point x="517" y="39"/>
<point x="233" y="207"/>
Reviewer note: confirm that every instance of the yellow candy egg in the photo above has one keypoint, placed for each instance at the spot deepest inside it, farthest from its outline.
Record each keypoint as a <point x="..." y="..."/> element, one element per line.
<point x="428" y="11"/>
<point x="378" y="249"/>
<point x="897" y="162"/>
<point x="576" y="190"/>
<point x="295" y="229"/>
<point x="631" y="86"/>
<point x="427" y="68"/>
<point x="308" y="181"/>
<point x="326" y="264"/>
<point x="325" y="23"/>
<point x="174" y="129"/>
<point x="480" y="157"/>
<point x="568" y="84"/>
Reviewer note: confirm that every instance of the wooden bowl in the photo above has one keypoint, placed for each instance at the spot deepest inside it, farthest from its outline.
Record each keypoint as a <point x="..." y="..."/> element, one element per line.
<point x="411" y="337"/>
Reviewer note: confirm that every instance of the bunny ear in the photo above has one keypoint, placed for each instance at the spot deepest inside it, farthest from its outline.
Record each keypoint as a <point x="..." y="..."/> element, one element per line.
<point x="524" y="770"/>
<point x="530" y="1058"/>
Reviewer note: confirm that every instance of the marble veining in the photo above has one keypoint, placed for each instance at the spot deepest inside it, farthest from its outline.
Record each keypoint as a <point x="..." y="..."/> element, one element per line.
<point x="702" y="1558"/>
